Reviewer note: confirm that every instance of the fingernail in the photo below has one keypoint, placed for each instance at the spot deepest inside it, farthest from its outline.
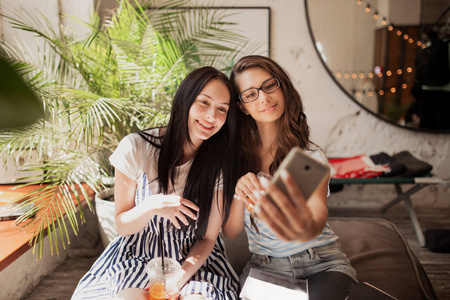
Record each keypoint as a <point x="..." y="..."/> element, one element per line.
<point x="264" y="182"/>
<point x="257" y="194"/>
<point x="256" y="210"/>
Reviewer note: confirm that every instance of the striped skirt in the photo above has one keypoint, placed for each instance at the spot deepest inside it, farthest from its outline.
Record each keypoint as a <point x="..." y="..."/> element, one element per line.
<point x="122" y="265"/>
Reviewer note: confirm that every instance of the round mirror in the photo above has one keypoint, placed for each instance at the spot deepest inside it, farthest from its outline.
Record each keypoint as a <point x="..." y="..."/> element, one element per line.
<point x="379" y="53"/>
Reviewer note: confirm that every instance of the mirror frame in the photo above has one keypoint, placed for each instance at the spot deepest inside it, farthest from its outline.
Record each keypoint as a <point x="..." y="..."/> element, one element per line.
<point x="422" y="130"/>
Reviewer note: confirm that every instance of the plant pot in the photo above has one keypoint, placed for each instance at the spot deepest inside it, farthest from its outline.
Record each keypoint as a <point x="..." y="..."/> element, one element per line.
<point x="105" y="214"/>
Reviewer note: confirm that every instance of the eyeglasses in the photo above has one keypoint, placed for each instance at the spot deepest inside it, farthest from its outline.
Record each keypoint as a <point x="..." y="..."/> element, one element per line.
<point x="268" y="86"/>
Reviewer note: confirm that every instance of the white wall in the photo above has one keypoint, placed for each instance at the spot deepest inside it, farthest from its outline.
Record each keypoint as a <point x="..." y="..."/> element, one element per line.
<point x="338" y="125"/>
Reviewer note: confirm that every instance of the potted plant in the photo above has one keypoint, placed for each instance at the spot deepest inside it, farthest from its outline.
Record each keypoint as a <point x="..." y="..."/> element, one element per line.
<point x="101" y="86"/>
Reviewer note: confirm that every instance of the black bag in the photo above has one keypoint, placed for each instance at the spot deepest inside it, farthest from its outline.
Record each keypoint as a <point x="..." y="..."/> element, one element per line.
<point x="432" y="64"/>
<point x="438" y="240"/>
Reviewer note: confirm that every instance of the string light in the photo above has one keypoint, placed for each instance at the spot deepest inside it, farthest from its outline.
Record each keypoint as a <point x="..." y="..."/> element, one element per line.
<point x="385" y="22"/>
<point x="371" y="93"/>
<point x="378" y="72"/>
<point x="375" y="15"/>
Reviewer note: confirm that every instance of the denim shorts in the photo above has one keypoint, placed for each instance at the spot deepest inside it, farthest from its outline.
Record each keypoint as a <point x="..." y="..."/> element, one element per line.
<point x="303" y="264"/>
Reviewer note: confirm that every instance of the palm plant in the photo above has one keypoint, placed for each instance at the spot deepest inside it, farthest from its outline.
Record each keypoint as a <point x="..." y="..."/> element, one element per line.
<point x="99" y="87"/>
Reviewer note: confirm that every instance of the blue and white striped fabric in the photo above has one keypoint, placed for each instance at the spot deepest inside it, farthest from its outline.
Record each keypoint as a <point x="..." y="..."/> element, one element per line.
<point x="122" y="264"/>
<point x="266" y="242"/>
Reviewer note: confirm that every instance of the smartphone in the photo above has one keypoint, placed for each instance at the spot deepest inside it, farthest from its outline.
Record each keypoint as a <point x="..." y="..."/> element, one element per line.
<point x="308" y="172"/>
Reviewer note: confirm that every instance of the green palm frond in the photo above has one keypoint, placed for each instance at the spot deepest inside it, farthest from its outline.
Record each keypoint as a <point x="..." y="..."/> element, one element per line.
<point x="116" y="78"/>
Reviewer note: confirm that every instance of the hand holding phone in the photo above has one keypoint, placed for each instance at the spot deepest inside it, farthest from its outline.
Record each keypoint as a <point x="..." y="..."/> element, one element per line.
<point x="287" y="211"/>
<point x="308" y="172"/>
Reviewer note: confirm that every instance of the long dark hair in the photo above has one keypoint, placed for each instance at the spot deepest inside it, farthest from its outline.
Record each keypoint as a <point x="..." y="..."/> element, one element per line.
<point x="214" y="159"/>
<point x="294" y="129"/>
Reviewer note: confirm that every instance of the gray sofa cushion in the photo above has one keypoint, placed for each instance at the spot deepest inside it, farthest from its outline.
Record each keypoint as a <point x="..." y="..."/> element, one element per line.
<point x="376" y="249"/>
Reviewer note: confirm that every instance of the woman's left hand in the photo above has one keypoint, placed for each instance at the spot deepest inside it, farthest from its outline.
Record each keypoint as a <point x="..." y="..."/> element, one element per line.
<point x="290" y="216"/>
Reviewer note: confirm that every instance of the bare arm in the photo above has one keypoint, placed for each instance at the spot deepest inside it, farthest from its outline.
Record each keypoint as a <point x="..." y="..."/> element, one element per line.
<point x="131" y="219"/>
<point x="201" y="249"/>
<point x="243" y="196"/>
<point x="291" y="217"/>
<point x="235" y="223"/>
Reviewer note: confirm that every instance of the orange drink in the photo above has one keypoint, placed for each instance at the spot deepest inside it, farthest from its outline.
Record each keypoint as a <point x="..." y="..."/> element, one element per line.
<point x="157" y="292"/>
<point x="163" y="278"/>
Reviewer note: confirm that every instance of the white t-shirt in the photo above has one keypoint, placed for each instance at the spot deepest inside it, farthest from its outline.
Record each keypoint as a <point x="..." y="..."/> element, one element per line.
<point x="137" y="159"/>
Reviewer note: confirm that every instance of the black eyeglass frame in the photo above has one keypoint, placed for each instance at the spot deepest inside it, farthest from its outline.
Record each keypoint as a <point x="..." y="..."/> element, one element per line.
<point x="260" y="88"/>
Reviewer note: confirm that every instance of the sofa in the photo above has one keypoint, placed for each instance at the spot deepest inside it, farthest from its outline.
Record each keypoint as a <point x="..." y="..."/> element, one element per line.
<point x="376" y="249"/>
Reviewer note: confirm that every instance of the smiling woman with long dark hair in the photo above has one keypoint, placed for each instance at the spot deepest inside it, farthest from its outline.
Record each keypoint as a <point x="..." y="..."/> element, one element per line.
<point x="179" y="175"/>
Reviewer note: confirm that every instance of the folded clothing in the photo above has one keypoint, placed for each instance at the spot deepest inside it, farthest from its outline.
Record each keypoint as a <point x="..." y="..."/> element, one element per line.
<point x="395" y="167"/>
<point x="359" y="166"/>
<point x="414" y="167"/>
<point x="402" y="164"/>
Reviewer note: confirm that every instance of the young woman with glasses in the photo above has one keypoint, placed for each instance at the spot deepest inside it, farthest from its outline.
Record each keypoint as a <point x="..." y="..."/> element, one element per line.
<point x="290" y="235"/>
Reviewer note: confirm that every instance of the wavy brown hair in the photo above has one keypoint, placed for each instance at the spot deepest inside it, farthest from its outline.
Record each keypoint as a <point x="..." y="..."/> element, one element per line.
<point x="294" y="129"/>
